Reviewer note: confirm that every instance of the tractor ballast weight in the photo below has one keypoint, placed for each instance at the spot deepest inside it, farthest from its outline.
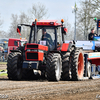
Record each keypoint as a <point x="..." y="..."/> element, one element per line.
<point x="52" y="56"/>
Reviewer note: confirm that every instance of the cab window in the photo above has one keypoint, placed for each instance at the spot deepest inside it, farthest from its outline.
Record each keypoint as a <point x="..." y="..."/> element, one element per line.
<point x="16" y="43"/>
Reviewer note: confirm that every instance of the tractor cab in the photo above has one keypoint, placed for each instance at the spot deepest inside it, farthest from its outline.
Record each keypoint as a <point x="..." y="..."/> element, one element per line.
<point x="45" y="36"/>
<point x="46" y="32"/>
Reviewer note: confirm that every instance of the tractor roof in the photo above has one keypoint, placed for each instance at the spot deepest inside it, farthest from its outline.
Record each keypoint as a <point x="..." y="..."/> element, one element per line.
<point x="48" y="23"/>
<point x="15" y="39"/>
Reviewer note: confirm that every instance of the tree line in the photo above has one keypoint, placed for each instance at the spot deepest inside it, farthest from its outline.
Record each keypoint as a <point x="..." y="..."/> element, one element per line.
<point x="87" y="10"/>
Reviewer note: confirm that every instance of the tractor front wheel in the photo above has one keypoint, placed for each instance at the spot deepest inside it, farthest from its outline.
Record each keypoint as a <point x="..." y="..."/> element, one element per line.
<point x="54" y="67"/>
<point x="14" y="66"/>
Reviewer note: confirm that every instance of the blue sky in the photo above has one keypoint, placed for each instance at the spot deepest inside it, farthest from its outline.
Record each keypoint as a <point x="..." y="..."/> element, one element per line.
<point x="57" y="9"/>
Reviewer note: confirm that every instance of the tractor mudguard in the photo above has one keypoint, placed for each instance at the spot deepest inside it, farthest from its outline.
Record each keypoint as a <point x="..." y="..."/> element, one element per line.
<point x="15" y="51"/>
<point x="66" y="46"/>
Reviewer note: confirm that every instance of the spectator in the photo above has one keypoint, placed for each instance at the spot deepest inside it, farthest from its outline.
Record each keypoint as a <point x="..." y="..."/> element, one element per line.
<point x="91" y="34"/>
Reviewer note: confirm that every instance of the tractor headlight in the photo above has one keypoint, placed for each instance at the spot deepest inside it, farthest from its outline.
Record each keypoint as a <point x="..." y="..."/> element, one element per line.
<point x="32" y="50"/>
<point x="28" y="50"/>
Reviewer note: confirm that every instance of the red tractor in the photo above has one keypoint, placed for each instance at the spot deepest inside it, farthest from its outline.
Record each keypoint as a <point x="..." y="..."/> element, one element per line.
<point x="46" y="52"/>
<point x="14" y="43"/>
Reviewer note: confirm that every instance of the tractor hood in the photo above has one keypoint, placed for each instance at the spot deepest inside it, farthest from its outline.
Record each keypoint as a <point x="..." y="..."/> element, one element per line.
<point x="35" y="52"/>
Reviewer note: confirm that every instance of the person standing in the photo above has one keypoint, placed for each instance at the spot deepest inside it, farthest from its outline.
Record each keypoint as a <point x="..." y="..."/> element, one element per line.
<point x="91" y="34"/>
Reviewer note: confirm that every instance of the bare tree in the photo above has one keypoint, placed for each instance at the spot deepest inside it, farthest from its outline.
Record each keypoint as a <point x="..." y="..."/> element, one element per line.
<point x="70" y="33"/>
<point x="1" y="21"/>
<point x="88" y="10"/>
<point x="13" y="26"/>
<point x="24" y="19"/>
<point x="2" y="33"/>
<point x="38" y="11"/>
<point x="21" y="19"/>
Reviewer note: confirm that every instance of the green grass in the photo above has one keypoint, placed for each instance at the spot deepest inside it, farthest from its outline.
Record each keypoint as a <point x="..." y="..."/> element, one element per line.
<point x="3" y="74"/>
<point x="4" y="63"/>
<point x="2" y="70"/>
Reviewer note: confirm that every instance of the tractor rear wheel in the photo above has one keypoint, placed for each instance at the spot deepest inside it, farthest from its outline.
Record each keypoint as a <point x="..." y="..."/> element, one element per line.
<point x="54" y="67"/>
<point x="65" y="66"/>
<point x="14" y="66"/>
<point x="77" y="64"/>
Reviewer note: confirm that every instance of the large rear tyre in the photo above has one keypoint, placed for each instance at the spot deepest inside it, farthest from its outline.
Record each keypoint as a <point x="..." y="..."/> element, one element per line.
<point x="54" y="67"/>
<point x="77" y="64"/>
<point x="65" y="66"/>
<point x="14" y="66"/>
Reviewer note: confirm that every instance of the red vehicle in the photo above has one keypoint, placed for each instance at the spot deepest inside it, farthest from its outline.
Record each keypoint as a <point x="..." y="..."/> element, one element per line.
<point x="51" y="56"/>
<point x="14" y="43"/>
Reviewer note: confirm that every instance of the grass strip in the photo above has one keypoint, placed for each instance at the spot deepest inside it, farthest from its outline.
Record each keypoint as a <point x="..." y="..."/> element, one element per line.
<point x="3" y="74"/>
<point x="3" y="70"/>
<point x="3" y="63"/>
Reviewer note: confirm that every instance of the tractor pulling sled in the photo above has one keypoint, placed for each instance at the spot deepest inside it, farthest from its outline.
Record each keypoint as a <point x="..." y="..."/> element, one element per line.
<point x="48" y="53"/>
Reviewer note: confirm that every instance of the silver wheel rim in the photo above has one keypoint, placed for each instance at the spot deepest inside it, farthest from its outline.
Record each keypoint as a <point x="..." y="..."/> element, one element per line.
<point x="58" y="70"/>
<point x="89" y="69"/>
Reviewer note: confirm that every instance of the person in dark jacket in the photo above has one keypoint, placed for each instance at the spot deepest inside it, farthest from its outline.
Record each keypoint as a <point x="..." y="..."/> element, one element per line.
<point x="47" y="37"/>
<point x="92" y="34"/>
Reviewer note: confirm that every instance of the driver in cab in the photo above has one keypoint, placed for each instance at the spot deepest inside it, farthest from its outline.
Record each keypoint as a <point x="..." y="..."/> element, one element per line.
<point x="47" y="37"/>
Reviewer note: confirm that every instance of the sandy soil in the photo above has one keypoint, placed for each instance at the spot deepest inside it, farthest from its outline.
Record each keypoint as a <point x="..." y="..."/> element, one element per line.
<point x="3" y="66"/>
<point x="44" y="90"/>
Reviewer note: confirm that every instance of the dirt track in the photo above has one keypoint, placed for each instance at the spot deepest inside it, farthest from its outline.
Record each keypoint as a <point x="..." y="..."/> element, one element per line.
<point x="2" y="66"/>
<point x="44" y="90"/>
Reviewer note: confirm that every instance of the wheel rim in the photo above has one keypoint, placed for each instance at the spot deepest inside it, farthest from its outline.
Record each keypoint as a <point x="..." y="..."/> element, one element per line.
<point x="58" y="69"/>
<point x="80" y="65"/>
<point x="89" y="69"/>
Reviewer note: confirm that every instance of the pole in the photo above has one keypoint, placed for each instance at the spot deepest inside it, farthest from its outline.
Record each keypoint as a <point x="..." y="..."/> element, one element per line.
<point x="75" y="9"/>
<point x="35" y="32"/>
<point x="75" y="22"/>
<point x="75" y="26"/>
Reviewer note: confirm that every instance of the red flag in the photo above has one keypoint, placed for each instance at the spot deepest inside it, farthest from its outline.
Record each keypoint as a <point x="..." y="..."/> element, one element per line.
<point x="18" y="31"/>
<point x="65" y="29"/>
